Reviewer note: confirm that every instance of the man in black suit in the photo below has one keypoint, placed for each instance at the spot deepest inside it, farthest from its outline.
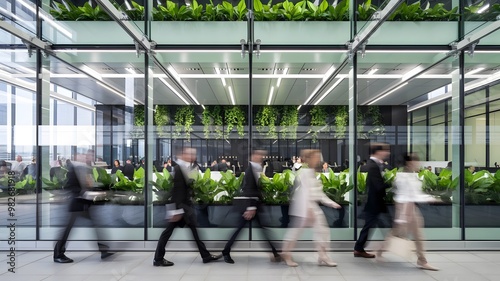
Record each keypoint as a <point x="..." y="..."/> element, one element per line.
<point x="79" y="180"/>
<point x="251" y="195"/>
<point x="128" y="170"/>
<point x="183" y="212"/>
<point x="375" y="204"/>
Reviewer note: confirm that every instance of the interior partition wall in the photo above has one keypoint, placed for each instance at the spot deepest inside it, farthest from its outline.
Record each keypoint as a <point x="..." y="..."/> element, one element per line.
<point x="140" y="90"/>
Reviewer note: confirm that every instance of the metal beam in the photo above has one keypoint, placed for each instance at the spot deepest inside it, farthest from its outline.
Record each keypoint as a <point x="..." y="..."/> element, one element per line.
<point x="378" y="19"/>
<point x="468" y="41"/>
<point x="27" y="38"/>
<point x="358" y="42"/>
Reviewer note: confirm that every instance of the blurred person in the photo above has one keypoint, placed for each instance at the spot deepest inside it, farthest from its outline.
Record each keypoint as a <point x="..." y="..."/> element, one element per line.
<point x="429" y="168"/>
<point x="325" y="168"/>
<point x="116" y="166"/>
<point x="128" y="170"/>
<point x="183" y="213"/>
<point x="168" y="165"/>
<point x="214" y="166"/>
<point x="408" y="217"/>
<point x="249" y="202"/>
<point x="79" y="180"/>
<point x="375" y="204"/>
<point x="472" y="169"/>
<point x="222" y="166"/>
<point x="298" y="164"/>
<point x="305" y="210"/>
<point x="18" y="166"/>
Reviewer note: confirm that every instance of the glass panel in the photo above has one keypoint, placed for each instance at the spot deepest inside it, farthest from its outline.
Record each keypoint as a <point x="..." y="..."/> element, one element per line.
<point x="20" y="13"/>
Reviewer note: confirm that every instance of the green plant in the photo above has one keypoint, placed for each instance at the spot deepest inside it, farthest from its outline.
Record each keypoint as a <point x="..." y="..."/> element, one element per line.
<point x="234" y="116"/>
<point x="378" y="127"/>
<point x="161" y="118"/>
<point x="229" y="185"/>
<point x="361" y="181"/>
<point x="318" y="119"/>
<point x="210" y="13"/>
<point x="135" y="185"/>
<point x="341" y="121"/>
<point x="276" y="190"/>
<point x="136" y="13"/>
<point x="172" y="12"/>
<point x="57" y="182"/>
<point x="266" y="121"/>
<point x="389" y="176"/>
<point x="162" y="186"/>
<point x="26" y="185"/>
<point x="478" y="186"/>
<point x="405" y="12"/>
<point x="439" y="13"/>
<point x="289" y="121"/>
<point x="184" y="120"/>
<point x="340" y="12"/>
<point x="441" y="185"/>
<point x="212" y="121"/>
<point x="366" y="10"/>
<point x="205" y="188"/>
<point x="336" y="186"/>
<point x="105" y="180"/>
<point x="139" y="115"/>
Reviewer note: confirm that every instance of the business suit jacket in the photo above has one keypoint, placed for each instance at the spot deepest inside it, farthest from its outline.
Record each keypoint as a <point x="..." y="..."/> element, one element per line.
<point x="376" y="188"/>
<point x="250" y="190"/>
<point x="182" y="194"/>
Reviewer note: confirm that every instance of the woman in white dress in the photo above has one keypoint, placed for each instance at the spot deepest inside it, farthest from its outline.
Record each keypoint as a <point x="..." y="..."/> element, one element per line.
<point x="408" y="217"/>
<point x="306" y="212"/>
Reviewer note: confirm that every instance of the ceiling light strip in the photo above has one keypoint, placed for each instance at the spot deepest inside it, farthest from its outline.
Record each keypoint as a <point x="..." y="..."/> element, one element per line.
<point x="174" y="90"/>
<point x="231" y="95"/>
<point x="271" y="92"/>
<point x="388" y="93"/>
<point x="329" y="90"/>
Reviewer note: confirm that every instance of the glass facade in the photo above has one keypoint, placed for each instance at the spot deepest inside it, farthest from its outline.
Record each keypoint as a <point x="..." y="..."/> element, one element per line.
<point x="136" y="81"/>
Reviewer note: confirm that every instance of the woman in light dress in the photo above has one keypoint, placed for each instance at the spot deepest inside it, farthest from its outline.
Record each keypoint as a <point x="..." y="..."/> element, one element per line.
<point x="408" y="219"/>
<point x="306" y="212"/>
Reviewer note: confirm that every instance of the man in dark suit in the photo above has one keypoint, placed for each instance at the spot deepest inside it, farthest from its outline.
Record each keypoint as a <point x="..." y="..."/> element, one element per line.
<point x="249" y="202"/>
<point x="183" y="212"/>
<point x="79" y="180"/>
<point x="375" y="204"/>
<point x="128" y="170"/>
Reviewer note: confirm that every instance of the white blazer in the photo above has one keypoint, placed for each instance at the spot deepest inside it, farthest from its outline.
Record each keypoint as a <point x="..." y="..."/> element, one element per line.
<point x="308" y="194"/>
<point x="409" y="188"/>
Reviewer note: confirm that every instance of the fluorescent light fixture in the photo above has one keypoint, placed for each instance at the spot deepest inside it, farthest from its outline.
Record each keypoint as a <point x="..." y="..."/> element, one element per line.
<point x="270" y="96"/>
<point x="472" y="85"/>
<point x="127" y="5"/>
<point x="92" y="72"/>
<point x="279" y="79"/>
<point x="110" y="89"/>
<point x="408" y="51"/>
<point x="72" y="101"/>
<point x="483" y="8"/>
<point x="174" y="90"/>
<point x="388" y="93"/>
<point x="239" y="51"/>
<point x="474" y="71"/>
<point x="130" y="70"/>
<point x="93" y="51"/>
<point x="217" y="70"/>
<point x="47" y="19"/>
<point x="231" y="95"/>
<point x="372" y="71"/>
<point x="184" y="87"/>
<point x="411" y="73"/>
<point x="330" y="90"/>
<point x="174" y="73"/>
<point x="298" y="108"/>
<point x="25" y="69"/>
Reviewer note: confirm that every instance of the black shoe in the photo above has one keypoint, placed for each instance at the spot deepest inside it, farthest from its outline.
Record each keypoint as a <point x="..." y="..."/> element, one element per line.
<point x="211" y="258"/>
<point x="228" y="259"/>
<point x="163" y="262"/>
<point x="106" y="255"/>
<point x="63" y="259"/>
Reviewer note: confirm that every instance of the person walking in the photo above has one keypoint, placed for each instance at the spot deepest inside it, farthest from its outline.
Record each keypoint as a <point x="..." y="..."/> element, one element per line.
<point x="183" y="212"/>
<point x="305" y="210"/>
<point x="375" y="204"/>
<point x="250" y="201"/>
<point x="408" y="217"/>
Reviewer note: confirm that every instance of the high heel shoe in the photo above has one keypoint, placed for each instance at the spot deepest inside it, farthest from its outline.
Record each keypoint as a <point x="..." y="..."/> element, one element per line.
<point x="326" y="262"/>
<point x="288" y="260"/>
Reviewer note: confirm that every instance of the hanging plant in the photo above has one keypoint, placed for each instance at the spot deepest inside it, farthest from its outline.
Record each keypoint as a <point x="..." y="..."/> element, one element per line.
<point x="289" y="121"/>
<point x="266" y="121"/>
<point x="184" y="120"/>
<point x="318" y="118"/>
<point x="234" y="116"/>
<point x="378" y="127"/>
<point x="161" y="118"/>
<point x="139" y="115"/>
<point x="360" y="124"/>
<point x="212" y="119"/>
<point x="341" y="121"/>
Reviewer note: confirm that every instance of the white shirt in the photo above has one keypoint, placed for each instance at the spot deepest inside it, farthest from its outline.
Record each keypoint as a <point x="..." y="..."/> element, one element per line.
<point x="409" y="188"/>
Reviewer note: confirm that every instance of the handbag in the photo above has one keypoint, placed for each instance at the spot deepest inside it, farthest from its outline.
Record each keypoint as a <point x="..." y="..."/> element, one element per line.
<point x="400" y="246"/>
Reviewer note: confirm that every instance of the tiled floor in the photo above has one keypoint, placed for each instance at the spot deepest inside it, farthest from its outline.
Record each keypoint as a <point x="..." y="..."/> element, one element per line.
<point x="455" y="266"/>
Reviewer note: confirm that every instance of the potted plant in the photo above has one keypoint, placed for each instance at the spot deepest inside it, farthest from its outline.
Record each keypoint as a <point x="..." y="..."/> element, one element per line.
<point x="204" y="191"/>
<point x="336" y="187"/>
<point x="482" y="191"/>
<point x="162" y="186"/>
<point x="221" y="213"/>
<point x="276" y="197"/>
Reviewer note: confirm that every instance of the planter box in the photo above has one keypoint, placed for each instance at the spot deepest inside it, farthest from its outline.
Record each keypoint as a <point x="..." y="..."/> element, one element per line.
<point x="482" y="215"/>
<point x="337" y="217"/>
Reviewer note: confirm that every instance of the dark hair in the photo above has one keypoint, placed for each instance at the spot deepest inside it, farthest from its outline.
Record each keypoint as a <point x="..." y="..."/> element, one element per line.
<point x="375" y="147"/>
<point x="116" y="160"/>
<point x="411" y="157"/>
